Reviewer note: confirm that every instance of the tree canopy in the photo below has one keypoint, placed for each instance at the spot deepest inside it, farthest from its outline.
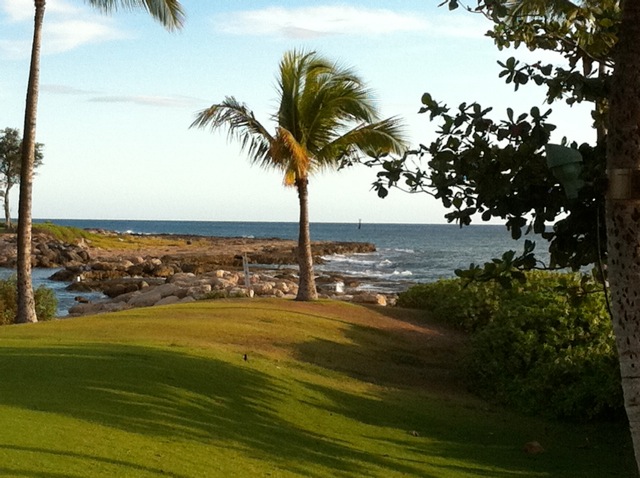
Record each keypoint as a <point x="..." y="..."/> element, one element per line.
<point x="10" y="165"/>
<point x="481" y="166"/>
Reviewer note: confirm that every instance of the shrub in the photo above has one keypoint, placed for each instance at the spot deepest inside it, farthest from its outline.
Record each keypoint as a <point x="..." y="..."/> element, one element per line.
<point x="544" y="347"/>
<point x="46" y="302"/>
<point x="469" y="306"/>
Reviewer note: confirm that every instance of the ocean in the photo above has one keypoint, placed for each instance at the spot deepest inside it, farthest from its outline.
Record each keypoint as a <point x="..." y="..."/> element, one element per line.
<point x="405" y="253"/>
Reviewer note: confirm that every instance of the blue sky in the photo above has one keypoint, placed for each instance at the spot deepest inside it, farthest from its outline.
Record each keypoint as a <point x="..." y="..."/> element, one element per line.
<point x="119" y="92"/>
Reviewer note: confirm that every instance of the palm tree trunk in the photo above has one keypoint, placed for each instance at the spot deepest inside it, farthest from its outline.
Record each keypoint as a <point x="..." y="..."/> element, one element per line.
<point x="307" y="282"/>
<point x="623" y="210"/>
<point x="7" y="208"/>
<point x="26" y="301"/>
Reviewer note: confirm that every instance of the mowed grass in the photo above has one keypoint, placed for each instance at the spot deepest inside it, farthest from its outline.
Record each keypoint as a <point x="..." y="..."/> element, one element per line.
<point x="327" y="389"/>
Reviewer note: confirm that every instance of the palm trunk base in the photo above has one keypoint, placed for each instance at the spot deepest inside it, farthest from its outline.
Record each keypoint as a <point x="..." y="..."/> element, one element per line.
<point x="307" y="289"/>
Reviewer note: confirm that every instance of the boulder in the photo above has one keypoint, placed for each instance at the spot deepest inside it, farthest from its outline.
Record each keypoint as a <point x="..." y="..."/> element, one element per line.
<point x="170" y="299"/>
<point x="369" y="298"/>
<point x="181" y="278"/>
<point x="162" y="271"/>
<point x="238" y="292"/>
<point x="146" y="299"/>
<point x="166" y="290"/>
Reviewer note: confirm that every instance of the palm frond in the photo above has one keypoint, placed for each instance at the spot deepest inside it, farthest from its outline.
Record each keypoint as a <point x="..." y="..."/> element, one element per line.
<point x="519" y="9"/>
<point x="241" y="125"/>
<point x="289" y="155"/>
<point x="168" y="12"/>
<point x="374" y="139"/>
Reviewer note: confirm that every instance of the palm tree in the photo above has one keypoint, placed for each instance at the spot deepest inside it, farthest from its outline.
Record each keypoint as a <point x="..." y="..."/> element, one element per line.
<point x="167" y="12"/>
<point x="326" y="117"/>
<point x="623" y="210"/>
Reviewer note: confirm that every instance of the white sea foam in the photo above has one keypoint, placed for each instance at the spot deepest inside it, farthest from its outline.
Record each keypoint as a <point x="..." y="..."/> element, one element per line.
<point x="339" y="258"/>
<point x="402" y="273"/>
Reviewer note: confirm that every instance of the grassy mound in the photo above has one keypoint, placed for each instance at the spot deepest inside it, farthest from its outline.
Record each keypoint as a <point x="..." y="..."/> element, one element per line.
<point x="74" y="235"/>
<point x="267" y="388"/>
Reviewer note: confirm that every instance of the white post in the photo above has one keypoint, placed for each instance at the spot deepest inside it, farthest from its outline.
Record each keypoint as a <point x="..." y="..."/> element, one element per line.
<point x="245" y="266"/>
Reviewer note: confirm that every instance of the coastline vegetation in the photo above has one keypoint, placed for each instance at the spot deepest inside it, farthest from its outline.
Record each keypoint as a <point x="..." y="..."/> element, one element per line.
<point x="544" y="346"/>
<point x="74" y="235"/>
<point x="269" y="387"/>
<point x="46" y="302"/>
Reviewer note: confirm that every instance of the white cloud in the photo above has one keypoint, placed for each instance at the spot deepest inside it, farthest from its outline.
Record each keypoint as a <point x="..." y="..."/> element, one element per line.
<point x="23" y="10"/>
<point x="172" y="101"/>
<point x="65" y="90"/>
<point x="14" y="49"/>
<point x="459" y="25"/>
<point x="69" y="34"/>
<point x="161" y="101"/>
<point x="66" y="27"/>
<point x="307" y="22"/>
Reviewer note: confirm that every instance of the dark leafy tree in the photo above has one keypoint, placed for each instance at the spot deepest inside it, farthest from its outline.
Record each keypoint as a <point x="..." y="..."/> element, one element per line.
<point x="484" y="167"/>
<point x="10" y="152"/>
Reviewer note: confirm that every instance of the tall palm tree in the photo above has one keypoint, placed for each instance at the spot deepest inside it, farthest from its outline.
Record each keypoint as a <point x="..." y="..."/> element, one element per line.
<point x="326" y="116"/>
<point x="623" y="210"/>
<point x="167" y="12"/>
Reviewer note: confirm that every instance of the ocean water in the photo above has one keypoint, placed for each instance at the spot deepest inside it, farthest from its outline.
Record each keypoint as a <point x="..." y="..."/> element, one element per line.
<point x="405" y="254"/>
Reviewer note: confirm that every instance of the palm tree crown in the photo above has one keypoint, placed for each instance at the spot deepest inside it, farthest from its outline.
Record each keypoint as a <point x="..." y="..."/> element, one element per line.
<point x="326" y="116"/>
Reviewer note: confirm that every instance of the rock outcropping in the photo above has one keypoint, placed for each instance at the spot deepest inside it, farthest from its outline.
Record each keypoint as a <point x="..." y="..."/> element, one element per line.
<point x="147" y="278"/>
<point x="220" y="284"/>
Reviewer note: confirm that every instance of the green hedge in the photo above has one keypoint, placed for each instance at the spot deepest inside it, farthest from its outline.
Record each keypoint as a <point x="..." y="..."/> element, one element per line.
<point x="468" y="306"/>
<point x="46" y="302"/>
<point x="544" y="347"/>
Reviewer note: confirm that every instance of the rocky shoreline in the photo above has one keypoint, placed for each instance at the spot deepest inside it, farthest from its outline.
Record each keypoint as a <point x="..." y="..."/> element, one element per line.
<point x="184" y="269"/>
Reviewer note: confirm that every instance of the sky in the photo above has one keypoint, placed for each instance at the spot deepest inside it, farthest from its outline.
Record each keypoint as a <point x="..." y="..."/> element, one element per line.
<point x="119" y="92"/>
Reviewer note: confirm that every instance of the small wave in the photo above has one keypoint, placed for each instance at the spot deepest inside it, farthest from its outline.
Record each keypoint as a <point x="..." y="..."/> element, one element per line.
<point x="347" y="260"/>
<point x="408" y="251"/>
<point x="385" y="262"/>
<point x="131" y="232"/>
<point x="402" y="273"/>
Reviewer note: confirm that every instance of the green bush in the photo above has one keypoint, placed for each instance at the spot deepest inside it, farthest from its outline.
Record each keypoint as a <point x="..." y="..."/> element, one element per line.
<point x="468" y="306"/>
<point x="544" y="347"/>
<point x="46" y="302"/>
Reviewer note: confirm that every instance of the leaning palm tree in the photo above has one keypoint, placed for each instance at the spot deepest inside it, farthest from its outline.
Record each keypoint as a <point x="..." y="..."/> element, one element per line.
<point x="167" y="12"/>
<point x="326" y="117"/>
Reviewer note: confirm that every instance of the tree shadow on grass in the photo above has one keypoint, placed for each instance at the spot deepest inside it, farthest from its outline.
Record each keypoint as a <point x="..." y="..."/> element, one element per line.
<point x="166" y="394"/>
<point x="396" y="351"/>
<point x="416" y="358"/>
<point x="451" y="440"/>
<point x="134" y="467"/>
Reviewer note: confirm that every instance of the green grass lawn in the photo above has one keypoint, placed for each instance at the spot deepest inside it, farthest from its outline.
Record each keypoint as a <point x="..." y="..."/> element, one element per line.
<point x="328" y="390"/>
